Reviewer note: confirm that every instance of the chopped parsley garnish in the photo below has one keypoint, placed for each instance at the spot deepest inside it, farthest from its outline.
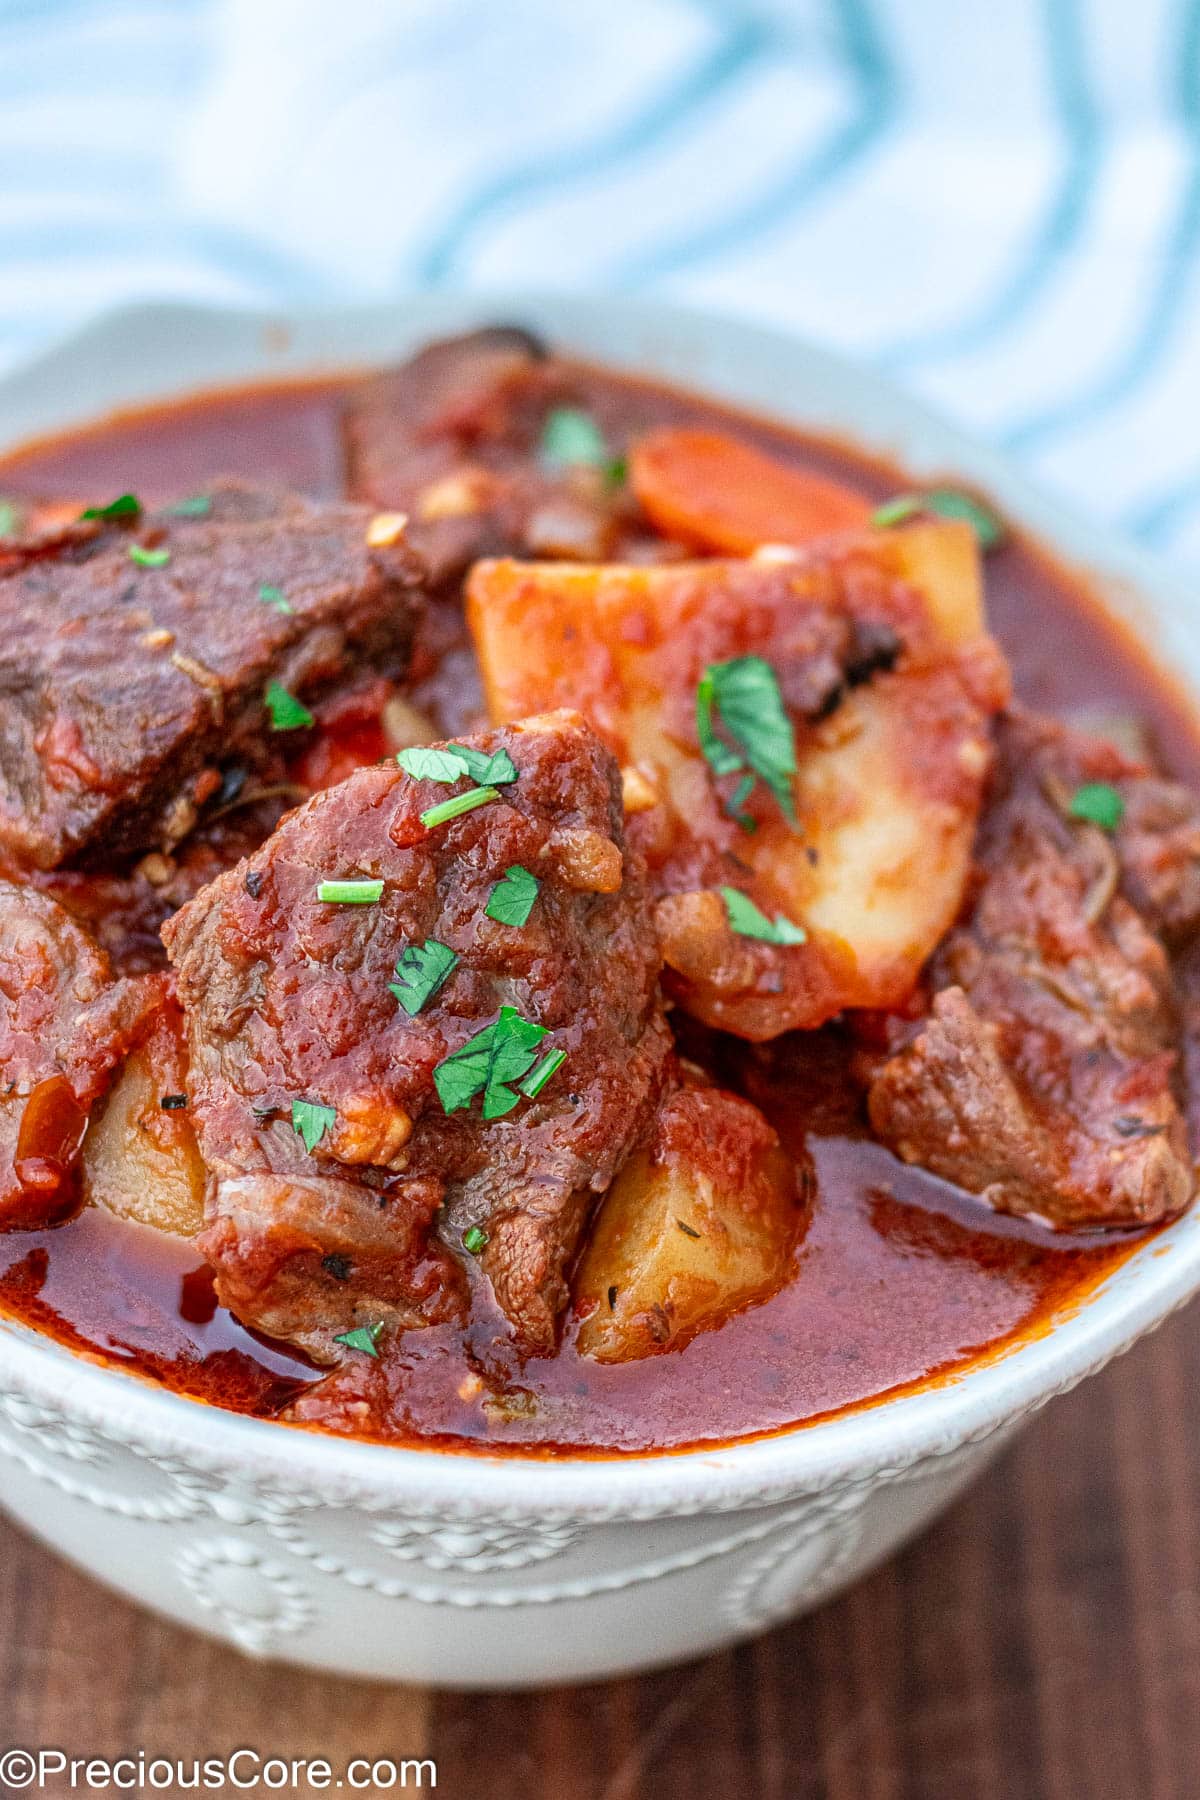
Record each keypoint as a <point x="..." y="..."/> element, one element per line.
<point x="287" y="713"/>
<point x="148" y="559"/>
<point x="455" y="762"/>
<point x="495" y="770"/>
<point x="172" y="1102"/>
<point x="10" y="518"/>
<point x="310" y="1122"/>
<point x="744" y="694"/>
<point x="363" y="1337"/>
<point x="458" y="804"/>
<point x="125" y="506"/>
<point x="511" y="900"/>
<point x="748" y="921"/>
<point x="474" y="1239"/>
<point x="501" y="1053"/>
<point x="571" y="437"/>
<point x="420" y="972"/>
<point x="1099" y="803"/>
<point x="946" y="503"/>
<point x="196" y="506"/>
<point x="735" y="806"/>
<point x="537" y="1078"/>
<point x="275" y="598"/>
<point x="426" y="764"/>
<point x="350" y="893"/>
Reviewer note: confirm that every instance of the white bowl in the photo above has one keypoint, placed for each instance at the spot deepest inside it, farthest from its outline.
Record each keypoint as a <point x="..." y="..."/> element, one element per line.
<point x="470" y="1570"/>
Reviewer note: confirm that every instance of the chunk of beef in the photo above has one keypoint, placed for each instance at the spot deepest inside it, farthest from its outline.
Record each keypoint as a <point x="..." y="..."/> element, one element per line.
<point x="65" y="1024"/>
<point x="1158" y="842"/>
<point x="123" y="683"/>
<point x="291" y="998"/>
<point x="1042" y="1078"/>
<point x="452" y="438"/>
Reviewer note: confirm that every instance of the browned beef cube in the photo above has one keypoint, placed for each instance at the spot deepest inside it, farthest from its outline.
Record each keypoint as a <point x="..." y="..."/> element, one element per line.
<point x="453" y="437"/>
<point x="65" y="1024"/>
<point x="418" y="1025"/>
<point x="1044" y="1077"/>
<point x="134" y="661"/>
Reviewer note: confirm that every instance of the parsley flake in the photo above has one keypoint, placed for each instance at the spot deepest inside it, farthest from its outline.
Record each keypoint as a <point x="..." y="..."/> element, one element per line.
<point x="744" y="693"/>
<point x="148" y="559"/>
<point x="457" y="805"/>
<point x="196" y="506"/>
<point x="350" y="893"/>
<point x="474" y="1239"/>
<point x="275" y="598"/>
<point x="511" y="900"/>
<point x="420" y="972"/>
<point x="735" y="806"/>
<point x="537" y="1078"/>
<point x="945" y="503"/>
<point x="426" y="763"/>
<point x="310" y="1122"/>
<point x="748" y="921"/>
<point x="501" y="1053"/>
<point x="363" y="1337"/>
<point x="287" y="713"/>
<point x="494" y="770"/>
<point x="1099" y="803"/>
<point x="10" y="518"/>
<point x="125" y="506"/>
<point x="571" y="438"/>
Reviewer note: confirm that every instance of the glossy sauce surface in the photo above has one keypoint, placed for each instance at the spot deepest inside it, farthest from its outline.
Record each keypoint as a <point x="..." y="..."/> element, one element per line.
<point x="899" y="1278"/>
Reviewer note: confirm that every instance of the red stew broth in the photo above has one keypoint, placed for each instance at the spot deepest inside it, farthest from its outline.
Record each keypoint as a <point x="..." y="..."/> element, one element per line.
<point x="901" y="1278"/>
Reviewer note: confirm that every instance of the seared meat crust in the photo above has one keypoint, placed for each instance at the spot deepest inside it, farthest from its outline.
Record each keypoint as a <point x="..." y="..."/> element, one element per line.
<point x="1043" y="1076"/>
<point x="122" y="683"/>
<point x="452" y="438"/>
<point x="288" y="998"/>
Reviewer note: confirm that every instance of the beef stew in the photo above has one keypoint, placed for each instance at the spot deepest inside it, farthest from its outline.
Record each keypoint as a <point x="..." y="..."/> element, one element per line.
<point x="541" y="913"/>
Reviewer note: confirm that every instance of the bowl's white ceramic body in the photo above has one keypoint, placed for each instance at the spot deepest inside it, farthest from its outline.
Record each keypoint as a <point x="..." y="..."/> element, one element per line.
<point x="470" y="1570"/>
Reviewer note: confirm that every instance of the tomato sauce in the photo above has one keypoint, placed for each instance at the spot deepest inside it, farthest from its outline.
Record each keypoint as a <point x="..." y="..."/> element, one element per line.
<point x="901" y="1278"/>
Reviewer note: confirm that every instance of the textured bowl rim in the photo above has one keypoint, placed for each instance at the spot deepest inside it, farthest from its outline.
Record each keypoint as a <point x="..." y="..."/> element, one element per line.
<point x="140" y="353"/>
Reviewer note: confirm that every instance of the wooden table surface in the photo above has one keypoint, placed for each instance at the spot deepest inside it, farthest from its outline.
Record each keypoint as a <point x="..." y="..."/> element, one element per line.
<point x="1042" y="1642"/>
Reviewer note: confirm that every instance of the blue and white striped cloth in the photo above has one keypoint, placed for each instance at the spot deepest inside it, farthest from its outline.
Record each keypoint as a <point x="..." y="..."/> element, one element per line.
<point x="997" y="201"/>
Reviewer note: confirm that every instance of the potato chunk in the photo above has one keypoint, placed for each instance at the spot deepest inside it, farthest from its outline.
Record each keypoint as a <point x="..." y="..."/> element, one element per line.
<point x="140" y="1158"/>
<point x="888" y="678"/>
<point x="702" y="1221"/>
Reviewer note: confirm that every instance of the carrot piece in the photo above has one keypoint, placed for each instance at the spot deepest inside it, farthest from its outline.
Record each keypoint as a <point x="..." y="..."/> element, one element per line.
<point x="717" y="493"/>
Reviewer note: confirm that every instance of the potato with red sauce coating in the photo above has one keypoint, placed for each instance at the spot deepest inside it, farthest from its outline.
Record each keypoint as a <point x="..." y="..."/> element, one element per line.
<point x="704" y="1219"/>
<point x="809" y="732"/>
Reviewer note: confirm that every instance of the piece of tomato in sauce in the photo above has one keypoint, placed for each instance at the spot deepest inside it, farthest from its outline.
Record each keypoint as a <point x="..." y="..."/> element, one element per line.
<point x="46" y="1160"/>
<point x="349" y="735"/>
